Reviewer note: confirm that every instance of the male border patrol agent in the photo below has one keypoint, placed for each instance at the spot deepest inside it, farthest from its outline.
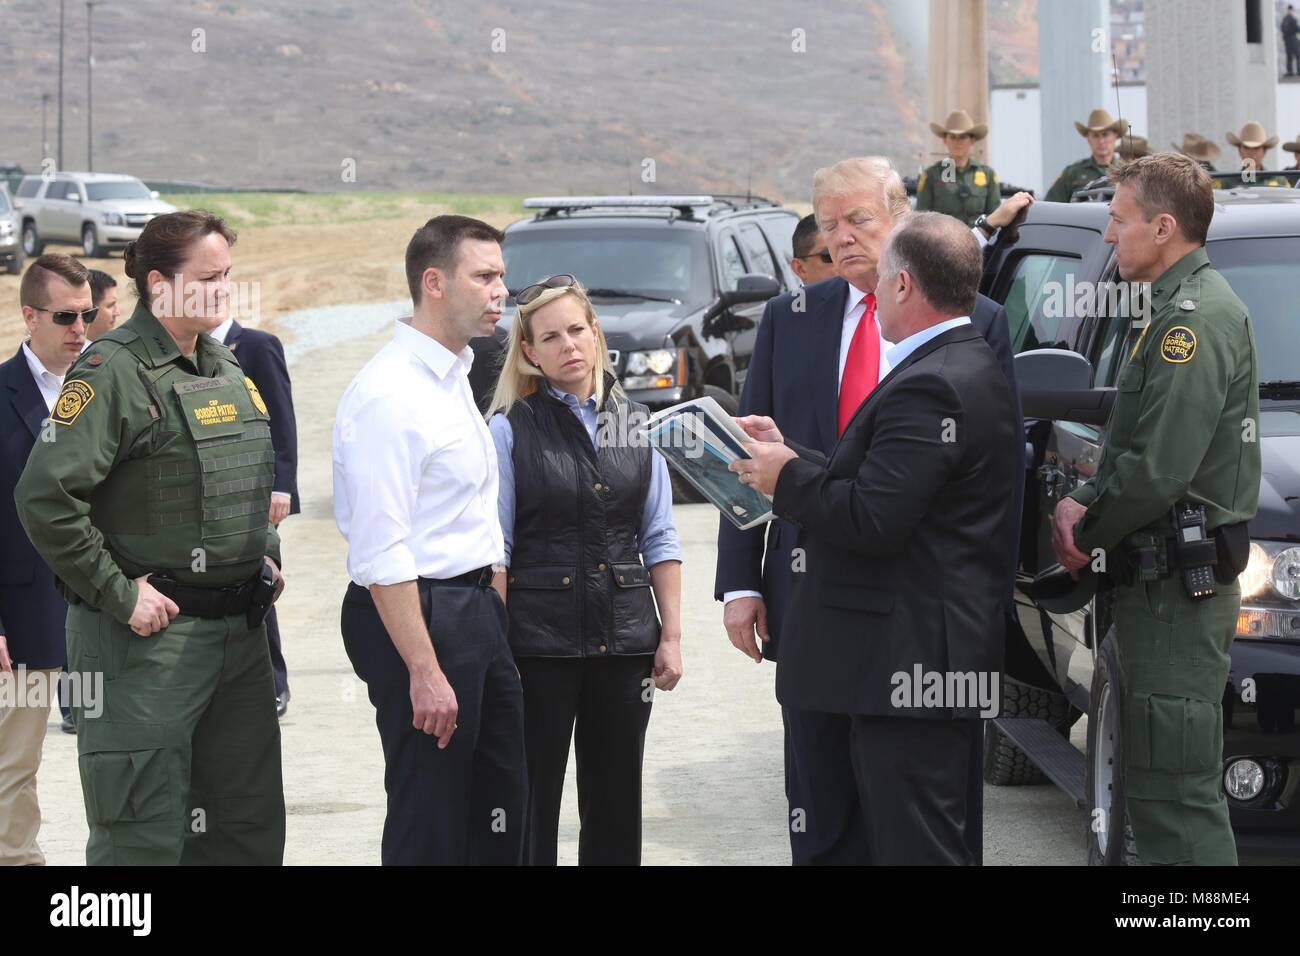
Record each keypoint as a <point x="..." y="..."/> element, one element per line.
<point x="1181" y="451"/>
<point x="956" y="186"/>
<point x="1253" y="144"/>
<point x="160" y="464"/>
<point x="1101" y="132"/>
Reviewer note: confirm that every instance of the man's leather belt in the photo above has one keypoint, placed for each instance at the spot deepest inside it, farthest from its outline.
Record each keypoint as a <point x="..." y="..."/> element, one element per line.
<point x="479" y="577"/>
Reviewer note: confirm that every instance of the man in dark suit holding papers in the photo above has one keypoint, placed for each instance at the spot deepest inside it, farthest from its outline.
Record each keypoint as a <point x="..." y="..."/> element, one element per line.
<point x="908" y="531"/>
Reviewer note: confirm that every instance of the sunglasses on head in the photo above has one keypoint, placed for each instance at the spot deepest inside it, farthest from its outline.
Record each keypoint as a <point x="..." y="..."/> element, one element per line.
<point x="68" y="316"/>
<point x="530" y="292"/>
<point x="824" y="256"/>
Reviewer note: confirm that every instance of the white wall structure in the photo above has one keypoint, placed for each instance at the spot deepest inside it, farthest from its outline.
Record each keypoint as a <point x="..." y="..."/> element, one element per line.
<point x="1211" y="66"/>
<point x="1074" y="70"/>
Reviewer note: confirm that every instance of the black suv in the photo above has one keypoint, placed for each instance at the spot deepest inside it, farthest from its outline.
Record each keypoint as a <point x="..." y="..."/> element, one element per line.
<point x="679" y="283"/>
<point x="1063" y="663"/>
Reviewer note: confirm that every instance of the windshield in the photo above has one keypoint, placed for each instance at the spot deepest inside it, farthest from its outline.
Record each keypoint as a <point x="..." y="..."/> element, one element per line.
<point x="656" y="263"/>
<point x="125" y="189"/>
<point x="1262" y="273"/>
<point x="4" y="201"/>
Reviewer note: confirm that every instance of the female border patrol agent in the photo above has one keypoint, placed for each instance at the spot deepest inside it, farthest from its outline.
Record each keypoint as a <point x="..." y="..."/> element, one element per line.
<point x="956" y="186"/>
<point x="149" y="499"/>
<point x="1181" y="457"/>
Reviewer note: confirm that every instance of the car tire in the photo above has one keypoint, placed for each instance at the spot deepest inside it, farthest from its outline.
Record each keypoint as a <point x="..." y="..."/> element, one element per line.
<point x="32" y="244"/>
<point x="1108" y="844"/>
<point x="90" y="247"/>
<point x="684" y="493"/>
<point x="1005" y="764"/>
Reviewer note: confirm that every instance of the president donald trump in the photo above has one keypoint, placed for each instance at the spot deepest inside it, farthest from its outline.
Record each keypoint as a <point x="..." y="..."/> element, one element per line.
<point x="907" y="529"/>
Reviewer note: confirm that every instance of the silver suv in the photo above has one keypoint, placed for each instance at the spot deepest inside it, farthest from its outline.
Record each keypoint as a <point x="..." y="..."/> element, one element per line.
<point x="97" y="211"/>
<point x="11" y="250"/>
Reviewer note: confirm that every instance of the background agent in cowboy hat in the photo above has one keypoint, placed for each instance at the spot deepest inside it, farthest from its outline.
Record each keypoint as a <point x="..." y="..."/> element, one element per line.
<point x="1199" y="148"/>
<point x="1252" y="143"/>
<point x="1133" y="147"/>
<point x="955" y="185"/>
<point x="1293" y="148"/>
<point x="1101" y="132"/>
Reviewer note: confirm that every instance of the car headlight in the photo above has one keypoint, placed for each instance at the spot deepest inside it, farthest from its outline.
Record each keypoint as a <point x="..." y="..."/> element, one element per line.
<point x="6" y="228"/>
<point x="1272" y="572"/>
<point x="660" y="362"/>
<point x="113" y="219"/>
<point x="659" y="368"/>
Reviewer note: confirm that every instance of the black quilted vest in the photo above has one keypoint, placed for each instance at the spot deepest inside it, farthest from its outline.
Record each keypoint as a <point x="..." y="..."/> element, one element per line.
<point x="576" y="586"/>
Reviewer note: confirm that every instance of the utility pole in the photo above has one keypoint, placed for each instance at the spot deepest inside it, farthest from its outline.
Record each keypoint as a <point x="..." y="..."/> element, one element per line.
<point x="45" y="129"/>
<point x="61" y="3"/>
<point x="90" y="99"/>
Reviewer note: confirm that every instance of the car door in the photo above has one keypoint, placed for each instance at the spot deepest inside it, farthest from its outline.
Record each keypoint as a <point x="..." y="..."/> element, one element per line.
<point x="739" y="327"/>
<point x="1047" y="281"/>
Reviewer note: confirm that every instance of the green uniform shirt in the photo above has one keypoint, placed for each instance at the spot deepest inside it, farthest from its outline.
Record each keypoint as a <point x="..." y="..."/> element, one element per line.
<point x="942" y="186"/>
<point x="1186" y="419"/>
<point x="1076" y="176"/>
<point x="183" y="441"/>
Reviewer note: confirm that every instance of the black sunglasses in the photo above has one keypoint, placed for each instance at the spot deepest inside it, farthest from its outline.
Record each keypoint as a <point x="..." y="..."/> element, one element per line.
<point x="67" y="317"/>
<point x="824" y="256"/>
<point x="530" y="292"/>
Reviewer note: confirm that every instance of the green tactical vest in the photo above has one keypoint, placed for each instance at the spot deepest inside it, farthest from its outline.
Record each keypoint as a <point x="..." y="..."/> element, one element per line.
<point x="205" y="484"/>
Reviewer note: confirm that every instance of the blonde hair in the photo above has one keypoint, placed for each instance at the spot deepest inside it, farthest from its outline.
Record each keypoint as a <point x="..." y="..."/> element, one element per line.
<point x="520" y="378"/>
<point x="863" y="174"/>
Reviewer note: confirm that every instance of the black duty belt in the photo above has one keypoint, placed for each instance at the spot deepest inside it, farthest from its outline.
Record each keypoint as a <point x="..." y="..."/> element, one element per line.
<point x="479" y="577"/>
<point x="207" y="602"/>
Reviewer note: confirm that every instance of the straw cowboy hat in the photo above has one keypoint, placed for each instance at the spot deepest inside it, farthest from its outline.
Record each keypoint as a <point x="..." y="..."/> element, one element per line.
<point x="1134" y="147"/>
<point x="1252" y="136"/>
<point x="959" y="121"/>
<point x="1293" y="146"/>
<point x="1099" y="120"/>
<point x="1198" y="147"/>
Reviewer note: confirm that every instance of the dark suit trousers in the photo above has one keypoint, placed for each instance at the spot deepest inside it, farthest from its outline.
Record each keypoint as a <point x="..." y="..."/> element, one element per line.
<point x="464" y="804"/>
<point x="603" y="704"/>
<point x="919" y="782"/>
<point x="825" y="814"/>
<point x="278" y="669"/>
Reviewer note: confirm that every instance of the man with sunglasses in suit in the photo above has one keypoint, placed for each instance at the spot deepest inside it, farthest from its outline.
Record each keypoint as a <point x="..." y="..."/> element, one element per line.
<point x="811" y="261"/>
<point x="56" y="303"/>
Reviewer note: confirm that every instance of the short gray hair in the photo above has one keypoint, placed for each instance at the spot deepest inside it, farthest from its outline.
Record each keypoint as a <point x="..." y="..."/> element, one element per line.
<point x="863" y="174"/>
<point x="940" y="255"/>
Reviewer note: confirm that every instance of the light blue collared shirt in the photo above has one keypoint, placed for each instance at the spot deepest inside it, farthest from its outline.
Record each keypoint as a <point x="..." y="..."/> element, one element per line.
<point x="658" y="535"/>
<point x="910" y="344"/>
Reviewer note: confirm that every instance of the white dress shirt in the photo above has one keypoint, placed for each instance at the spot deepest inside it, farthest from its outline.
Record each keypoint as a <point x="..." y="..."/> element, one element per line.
<point x="49" y="383"/>
<point x="854" y="309"/>
<point x="913" y="342"/>
<point x="415" y="470"/>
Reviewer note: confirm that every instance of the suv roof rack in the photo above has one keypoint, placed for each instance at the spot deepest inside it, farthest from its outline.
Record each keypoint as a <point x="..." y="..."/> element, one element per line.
<point x="555" y="205"/>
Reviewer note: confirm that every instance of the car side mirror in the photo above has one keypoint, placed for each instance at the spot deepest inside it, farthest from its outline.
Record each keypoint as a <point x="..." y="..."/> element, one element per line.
<point x="1056" y="385"/>
<point x="752" y="287"/>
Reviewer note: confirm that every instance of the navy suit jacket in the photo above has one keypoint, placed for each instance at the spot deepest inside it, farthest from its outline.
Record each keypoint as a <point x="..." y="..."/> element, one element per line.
<point x="793" y="378"/>
<point x="261" y="356"/>
<point x="33" y="616"/>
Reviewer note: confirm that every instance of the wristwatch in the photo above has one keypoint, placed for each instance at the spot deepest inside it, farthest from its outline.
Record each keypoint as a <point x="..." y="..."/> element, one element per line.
<point x="982" y="224"/>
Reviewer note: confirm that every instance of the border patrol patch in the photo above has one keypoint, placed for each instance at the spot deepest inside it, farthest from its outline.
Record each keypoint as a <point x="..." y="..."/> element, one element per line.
<point x="256" y="396"/>
<point x="1178" y="345"/>
<point x="76" y="395"/>
<point x="980" y="178"/>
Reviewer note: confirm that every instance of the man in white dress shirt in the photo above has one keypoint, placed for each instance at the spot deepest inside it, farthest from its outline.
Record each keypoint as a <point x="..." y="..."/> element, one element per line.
<point x="415" y="494"/>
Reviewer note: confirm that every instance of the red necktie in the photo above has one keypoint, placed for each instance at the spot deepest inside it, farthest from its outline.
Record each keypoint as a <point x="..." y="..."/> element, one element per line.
<point x="862" y="368"/>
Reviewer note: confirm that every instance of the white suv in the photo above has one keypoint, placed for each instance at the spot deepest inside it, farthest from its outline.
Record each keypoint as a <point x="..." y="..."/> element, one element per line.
<point x="97" y="211"/>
